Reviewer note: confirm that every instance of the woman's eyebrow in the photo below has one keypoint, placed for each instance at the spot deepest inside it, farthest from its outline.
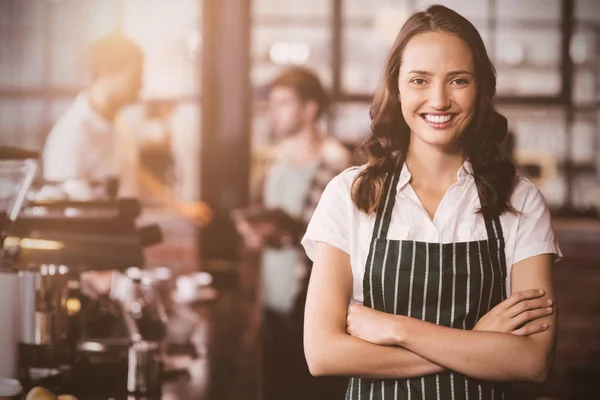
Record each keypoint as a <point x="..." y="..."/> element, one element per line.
<point x="419" y="72"/>
<point x="460" y="72"/>
<point x="453" y="73"/>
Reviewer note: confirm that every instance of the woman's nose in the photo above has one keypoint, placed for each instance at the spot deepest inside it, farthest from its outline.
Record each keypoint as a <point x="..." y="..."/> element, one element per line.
<point x="438" y="97"/>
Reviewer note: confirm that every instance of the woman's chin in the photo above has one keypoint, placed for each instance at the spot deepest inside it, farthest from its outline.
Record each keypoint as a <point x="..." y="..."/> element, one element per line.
<point x="442" y="139"/>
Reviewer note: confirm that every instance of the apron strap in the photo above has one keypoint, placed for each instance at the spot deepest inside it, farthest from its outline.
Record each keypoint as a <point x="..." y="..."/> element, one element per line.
<point x="493" y="228"/>
<point x="384" y="212"/>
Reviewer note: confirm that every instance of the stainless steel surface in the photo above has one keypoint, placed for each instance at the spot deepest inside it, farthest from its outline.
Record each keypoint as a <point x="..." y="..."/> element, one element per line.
<point x="139" y="294"/>
<point x="15" y="180"/>
<point x="17" y="177"/>
<point x="8" y="316"/>
<point x="101" y="346"/>
<point x="130" y="324"/>
<point x="9" y="388"/>
<point x="144" y="368"/>
<point x="42" y="304"/>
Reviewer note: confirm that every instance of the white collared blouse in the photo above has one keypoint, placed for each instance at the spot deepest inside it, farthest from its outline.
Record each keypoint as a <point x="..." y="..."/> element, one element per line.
<point x="338" y="222"/>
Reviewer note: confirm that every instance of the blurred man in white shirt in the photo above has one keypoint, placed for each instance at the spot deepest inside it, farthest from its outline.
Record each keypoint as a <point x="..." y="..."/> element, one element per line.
<point x="85" y="145"/>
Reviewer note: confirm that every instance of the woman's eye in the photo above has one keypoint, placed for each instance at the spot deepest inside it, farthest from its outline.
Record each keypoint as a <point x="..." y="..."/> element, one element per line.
<point x="419" y="81"/>
<point x="460" y="81"/>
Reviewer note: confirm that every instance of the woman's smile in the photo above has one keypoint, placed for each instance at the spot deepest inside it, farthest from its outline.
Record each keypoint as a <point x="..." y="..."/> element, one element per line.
<point x="438" y="120"/>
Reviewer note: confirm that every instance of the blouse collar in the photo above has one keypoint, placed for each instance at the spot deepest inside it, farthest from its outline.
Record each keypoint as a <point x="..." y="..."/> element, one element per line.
<point x="463" y="173"/>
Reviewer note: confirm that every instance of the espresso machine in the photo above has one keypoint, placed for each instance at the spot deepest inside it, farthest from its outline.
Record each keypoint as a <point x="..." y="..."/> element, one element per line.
<point x="47" y="249"/>
<point x="17" y="172"/>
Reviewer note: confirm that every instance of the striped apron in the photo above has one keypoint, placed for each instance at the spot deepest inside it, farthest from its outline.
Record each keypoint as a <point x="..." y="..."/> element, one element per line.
<point x="449" y="284"/>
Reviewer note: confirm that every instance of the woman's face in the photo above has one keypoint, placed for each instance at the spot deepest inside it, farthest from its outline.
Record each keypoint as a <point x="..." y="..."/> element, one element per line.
<point x="437" y="88"/>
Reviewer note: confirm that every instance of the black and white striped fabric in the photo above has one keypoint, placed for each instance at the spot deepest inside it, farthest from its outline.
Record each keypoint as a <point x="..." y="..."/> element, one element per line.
<point x="449" y="284"/>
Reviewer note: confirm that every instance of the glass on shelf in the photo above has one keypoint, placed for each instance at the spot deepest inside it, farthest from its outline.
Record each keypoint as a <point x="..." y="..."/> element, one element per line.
<point x="525" y="46"/>
<point x="528" y="81"/>
<point x="296" y="8"/>
<point x="68" y="21"/>
<point x="364" y="55"/>
<point x="277" y="47"/>
<point x="583" y="47"/>
<point x="528" y="60"/>
<point x="584" y="140"/>
<point x="474" y="11"/>
<point x="586" y="66"/>
<point x="539" y="130"/>
<point x="170" y="36"/>
<point x="586" y="190"/>
<point x="530" y="10"/>
<point x="351" y="122"/>
<point x="368" y="32"/>
<point x="360" y="9"/>
<point x="587" y="10"/>
<point x="22" y="122"/>
<point x="103" y="21"/>
<point x="585" y="82"/>
<point x="22" y="44"/>
<point x="360" y="12"/>
<point x="554" y="190"/>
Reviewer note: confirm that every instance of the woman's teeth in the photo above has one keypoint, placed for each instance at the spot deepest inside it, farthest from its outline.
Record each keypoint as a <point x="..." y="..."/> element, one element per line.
<point x="438" y="119"/>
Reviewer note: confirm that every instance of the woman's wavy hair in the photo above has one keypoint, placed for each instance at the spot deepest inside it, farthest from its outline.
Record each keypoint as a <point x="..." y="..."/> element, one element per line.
<point x="386" y="148"/>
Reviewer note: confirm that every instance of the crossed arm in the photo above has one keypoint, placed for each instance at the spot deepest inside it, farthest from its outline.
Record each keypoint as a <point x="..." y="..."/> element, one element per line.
<point x="368" y="343"/>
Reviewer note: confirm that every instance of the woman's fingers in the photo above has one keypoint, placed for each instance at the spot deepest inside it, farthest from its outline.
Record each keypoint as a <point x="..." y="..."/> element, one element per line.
<point x="531" y="328"/>
<point x="528" y="305"/>
<point x="519" y="297"/>
<point x="529" y="316"/>
<point x="517" y="311"/>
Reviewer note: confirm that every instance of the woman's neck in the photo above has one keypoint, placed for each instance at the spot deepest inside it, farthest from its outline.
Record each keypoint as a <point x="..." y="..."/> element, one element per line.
<point x="431" y="167"/>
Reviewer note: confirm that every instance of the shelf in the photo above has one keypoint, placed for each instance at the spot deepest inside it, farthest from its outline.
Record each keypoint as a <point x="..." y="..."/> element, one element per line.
<point x="367" y="21"/>
<point x="500" y="100"/>
<point x="45" y="92"/>
<point x="70" y="93"/>
<point x="502" y="66"/>
<point x="286" y="21"/>
<point x="578" y="167"/>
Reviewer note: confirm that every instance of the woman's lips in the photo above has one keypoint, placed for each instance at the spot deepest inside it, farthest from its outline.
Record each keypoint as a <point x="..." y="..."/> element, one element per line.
<point x="438" y="121"/>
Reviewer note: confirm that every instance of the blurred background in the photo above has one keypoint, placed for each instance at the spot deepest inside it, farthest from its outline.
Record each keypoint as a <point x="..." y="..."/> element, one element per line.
<point x="201" y="125"/>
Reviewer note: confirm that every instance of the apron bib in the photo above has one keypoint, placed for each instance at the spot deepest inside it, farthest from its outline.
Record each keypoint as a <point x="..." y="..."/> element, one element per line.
<point x="449" y="284"/>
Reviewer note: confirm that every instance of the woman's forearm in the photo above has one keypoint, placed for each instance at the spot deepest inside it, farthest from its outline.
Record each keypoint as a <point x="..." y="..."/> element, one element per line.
<point x="342" y="354"/>
<point x="483" y="355"/>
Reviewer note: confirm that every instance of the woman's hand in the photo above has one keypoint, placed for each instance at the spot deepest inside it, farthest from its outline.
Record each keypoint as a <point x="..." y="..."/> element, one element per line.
<point x="518" y="314"/>
<point x="373" y="326"/>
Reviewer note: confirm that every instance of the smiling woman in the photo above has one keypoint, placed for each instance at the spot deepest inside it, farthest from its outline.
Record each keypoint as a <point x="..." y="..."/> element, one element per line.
<point x="438" y="104"/>
<point x="432" y="262"/>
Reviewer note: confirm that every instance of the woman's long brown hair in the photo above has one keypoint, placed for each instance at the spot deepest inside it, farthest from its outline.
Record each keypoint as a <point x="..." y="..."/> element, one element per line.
<point x="386" y="148"/>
